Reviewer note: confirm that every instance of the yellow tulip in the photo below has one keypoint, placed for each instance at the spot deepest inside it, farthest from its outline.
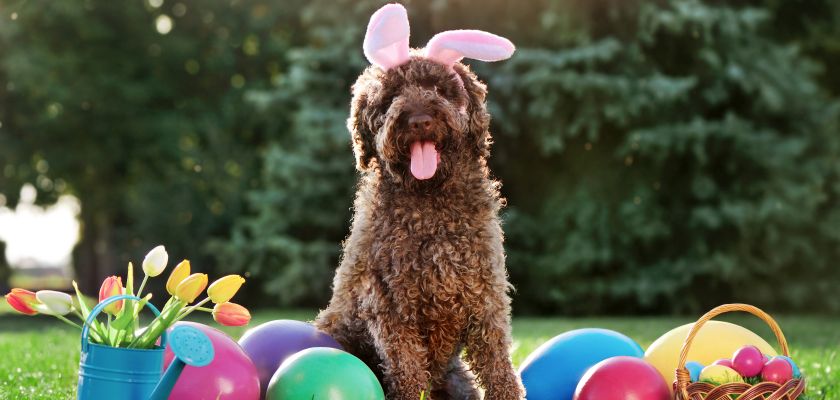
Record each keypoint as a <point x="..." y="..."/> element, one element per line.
<point x="189" y="289"/>
<point x="224" y="288"/>
<point x="181" y="272"/>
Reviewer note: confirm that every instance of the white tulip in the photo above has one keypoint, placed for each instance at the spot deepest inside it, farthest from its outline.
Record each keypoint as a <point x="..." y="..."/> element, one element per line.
<point x="54" y="303"/>
<point x="155" y="261"/>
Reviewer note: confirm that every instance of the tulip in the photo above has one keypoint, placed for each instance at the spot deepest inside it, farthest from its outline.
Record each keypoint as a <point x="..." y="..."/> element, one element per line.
<point x="54" y="303"/>
<point x="181" y="272"/>
<point x="23" y="301"/>
<point x="189" y="289"/>
<point x="155" y="261"/>
<point x="224" y="288"/>
<point x="112" y="286"/>
<point x="231" y="314"/>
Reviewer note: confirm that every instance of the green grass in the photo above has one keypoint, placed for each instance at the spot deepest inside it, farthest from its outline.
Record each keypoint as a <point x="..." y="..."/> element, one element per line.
<point x="39" y="356"/>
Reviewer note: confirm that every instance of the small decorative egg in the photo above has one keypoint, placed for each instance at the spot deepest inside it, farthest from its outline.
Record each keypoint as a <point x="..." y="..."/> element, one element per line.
<point x="777" y="370"/>
<point x="796" y="372"/>
<point x="723" y="361"/>
<point x="694" y="369"/>
<point x="748" y="361"/>
<point x="719" y="374"/>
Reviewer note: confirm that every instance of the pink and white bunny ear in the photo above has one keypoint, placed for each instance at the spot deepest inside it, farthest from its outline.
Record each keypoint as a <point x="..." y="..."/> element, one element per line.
<point x="386" y="41"/>
<point x="450" y="47"/>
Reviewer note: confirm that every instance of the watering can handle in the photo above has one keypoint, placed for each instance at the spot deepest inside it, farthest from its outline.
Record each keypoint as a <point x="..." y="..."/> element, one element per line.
<point x="101" y="306"/>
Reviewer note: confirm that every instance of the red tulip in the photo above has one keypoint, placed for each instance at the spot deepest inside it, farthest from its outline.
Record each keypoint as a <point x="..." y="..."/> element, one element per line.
<point x="23" y="301"/>
<point x="231" y="314"/>
<point x="112" y="286"/>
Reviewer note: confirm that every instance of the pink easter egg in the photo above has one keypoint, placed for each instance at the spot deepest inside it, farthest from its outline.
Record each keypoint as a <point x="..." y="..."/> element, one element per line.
<point x="777" y="370"/>
<point x="723" y="361"/>
<point x="621" y="378"/>
<point x="230" y="376"/>
<point x="748" y="361"/>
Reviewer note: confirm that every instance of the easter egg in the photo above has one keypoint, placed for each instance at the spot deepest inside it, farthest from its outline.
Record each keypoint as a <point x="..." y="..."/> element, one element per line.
<point x="723" y="361"/>
<point x="694" y="369"/>
<point x="271" y="343"/>
<point x="796" y="372"/>
<point x="777" y="370"/>
<point x="324" y="373"/>
<point x="553" y="370"/>
<point x="715" y="340"/>
<point x="748" y="361"/>
<point x="621" y="378"/>
<point x="718" y="375"/>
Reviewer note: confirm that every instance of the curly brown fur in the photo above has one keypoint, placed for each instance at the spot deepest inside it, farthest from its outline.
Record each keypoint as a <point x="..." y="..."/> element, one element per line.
<point x="423" y="274"/>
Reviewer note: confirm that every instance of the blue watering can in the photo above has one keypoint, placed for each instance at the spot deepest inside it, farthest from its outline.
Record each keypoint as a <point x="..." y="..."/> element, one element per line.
<point x="136" y="374"/>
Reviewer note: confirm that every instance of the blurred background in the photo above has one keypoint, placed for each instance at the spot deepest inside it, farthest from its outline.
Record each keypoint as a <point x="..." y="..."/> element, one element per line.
<point x="656" y="156"/>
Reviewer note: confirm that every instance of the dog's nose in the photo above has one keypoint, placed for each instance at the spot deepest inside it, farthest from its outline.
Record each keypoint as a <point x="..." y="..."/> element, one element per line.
<point x="420" y="122"/>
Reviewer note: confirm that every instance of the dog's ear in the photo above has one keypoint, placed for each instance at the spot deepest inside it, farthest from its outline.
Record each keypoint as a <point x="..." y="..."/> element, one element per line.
<point x="386" y="40"/>
<point x="479" y="118"/>
<point x="363" y="146"/>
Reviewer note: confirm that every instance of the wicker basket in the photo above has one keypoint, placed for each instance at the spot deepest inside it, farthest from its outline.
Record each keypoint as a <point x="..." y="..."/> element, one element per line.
<point x="685" y="390"/>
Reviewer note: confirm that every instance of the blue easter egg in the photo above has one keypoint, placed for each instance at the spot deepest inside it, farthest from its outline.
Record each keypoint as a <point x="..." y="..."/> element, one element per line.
<point x="694" y="369"/>
<point x="553" y="370"/>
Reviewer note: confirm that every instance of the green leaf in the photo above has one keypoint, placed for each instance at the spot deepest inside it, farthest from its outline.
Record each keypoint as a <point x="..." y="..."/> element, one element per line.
<point x="129" y="280"/>
<point x="126" y="321"/>
<point x="81" y="300"/>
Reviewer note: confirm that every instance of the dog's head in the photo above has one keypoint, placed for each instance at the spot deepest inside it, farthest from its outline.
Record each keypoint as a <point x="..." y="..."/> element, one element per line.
<point x="419" y="114"/>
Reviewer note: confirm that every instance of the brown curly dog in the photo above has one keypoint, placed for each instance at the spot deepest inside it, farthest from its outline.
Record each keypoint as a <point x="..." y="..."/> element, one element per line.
<point x="423" y="277"/>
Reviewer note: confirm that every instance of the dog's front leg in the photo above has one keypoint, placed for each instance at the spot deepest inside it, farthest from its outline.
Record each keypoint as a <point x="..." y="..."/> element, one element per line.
<point x="488" y="343"/>
<point x="405" y="366"/>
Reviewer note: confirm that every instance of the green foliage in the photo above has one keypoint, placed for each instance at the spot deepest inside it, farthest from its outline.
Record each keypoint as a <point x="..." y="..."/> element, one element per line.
<point x="290" y="239"/>
<point x="656" y="156"/>
<point x="151" y="131"/>
<point x="688" y="163"/>
<point x="4" y="268"/>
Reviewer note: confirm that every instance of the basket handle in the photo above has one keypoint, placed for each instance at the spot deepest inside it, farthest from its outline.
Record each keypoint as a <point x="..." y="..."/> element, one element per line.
<point x="101" y="306"/>
<point x="683" y="378"/>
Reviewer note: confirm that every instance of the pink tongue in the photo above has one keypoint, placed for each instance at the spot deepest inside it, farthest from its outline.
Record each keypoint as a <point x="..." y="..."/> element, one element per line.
<point x="424" y="159"/>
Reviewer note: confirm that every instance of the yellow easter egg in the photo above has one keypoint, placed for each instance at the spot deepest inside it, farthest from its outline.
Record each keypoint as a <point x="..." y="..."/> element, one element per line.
<point x="720" y="374"/>
<point x="715" y="340"/>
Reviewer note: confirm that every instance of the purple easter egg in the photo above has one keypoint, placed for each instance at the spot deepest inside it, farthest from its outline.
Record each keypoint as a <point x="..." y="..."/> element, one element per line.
<point x="271" y="343"/>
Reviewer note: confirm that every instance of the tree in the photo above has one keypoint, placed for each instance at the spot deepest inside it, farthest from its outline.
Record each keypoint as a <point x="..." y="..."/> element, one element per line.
<point x="678" y="159"/>
<point x="138" y="110"/>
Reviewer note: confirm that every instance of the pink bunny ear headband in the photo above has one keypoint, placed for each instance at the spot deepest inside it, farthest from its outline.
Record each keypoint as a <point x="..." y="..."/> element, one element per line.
<point x="386" y="42"/>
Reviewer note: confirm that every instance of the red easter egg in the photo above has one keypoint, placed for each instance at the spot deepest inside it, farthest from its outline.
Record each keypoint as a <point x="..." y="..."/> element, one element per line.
<point x="777" y="370"/>
<point x="748" y="361"/>
<point x="621" y="378"/>
<point x="724" y="361"/>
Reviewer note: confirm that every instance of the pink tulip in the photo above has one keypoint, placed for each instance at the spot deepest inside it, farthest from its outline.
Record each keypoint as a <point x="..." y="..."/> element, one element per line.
<point x="112" y="286"/>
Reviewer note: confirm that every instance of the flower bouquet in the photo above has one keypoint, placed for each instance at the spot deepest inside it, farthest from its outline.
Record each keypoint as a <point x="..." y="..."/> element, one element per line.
<point x="116" y="354"/>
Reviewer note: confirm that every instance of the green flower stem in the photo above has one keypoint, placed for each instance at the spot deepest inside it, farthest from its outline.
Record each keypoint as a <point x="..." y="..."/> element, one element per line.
<point x="61" y="317"/>
<point x="142" y="285"/>
<point x="189" y="310"/>
<point x="205" y="309"/>
<point x="166" y="318"/>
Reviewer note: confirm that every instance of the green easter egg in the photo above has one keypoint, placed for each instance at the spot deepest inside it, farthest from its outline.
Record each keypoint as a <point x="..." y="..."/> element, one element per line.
<point x="323" y="373"/>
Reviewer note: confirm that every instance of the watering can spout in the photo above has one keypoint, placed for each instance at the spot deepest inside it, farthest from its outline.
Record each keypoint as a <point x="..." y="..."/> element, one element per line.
<point x="190" y="346"/>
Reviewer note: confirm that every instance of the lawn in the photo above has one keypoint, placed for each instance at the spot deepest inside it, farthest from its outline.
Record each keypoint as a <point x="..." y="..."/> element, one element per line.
<point x="39" y="356"/>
